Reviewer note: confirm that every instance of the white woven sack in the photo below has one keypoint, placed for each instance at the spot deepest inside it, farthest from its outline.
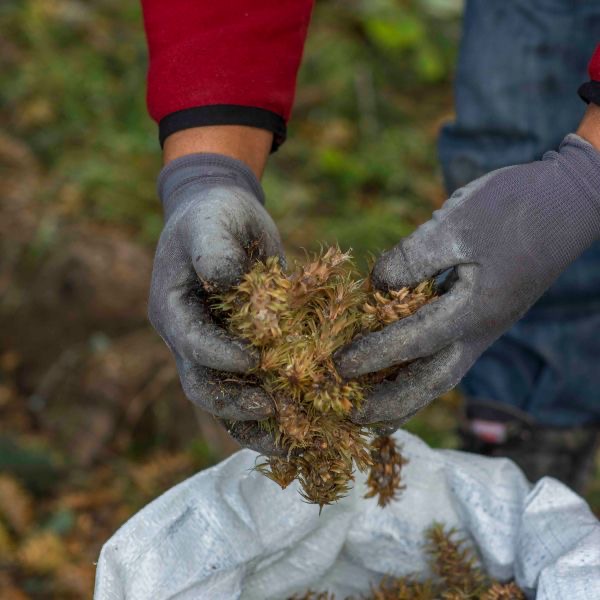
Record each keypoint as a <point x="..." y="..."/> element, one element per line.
<point x="229" y="533"/>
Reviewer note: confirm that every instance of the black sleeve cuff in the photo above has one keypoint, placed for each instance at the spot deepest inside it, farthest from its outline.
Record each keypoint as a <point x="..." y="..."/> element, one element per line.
<point x="590" y="92"/>
<point x="224" y="114"/>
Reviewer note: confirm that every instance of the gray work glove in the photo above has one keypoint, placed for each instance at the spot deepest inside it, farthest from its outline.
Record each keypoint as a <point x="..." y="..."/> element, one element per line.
<point x="508" y="235"/>
<point x="215" y="227"/>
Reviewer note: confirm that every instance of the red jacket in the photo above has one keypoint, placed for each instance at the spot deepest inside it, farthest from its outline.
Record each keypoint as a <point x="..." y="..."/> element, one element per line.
<point x="219" y="62"/>
<point x="224" y="61"/>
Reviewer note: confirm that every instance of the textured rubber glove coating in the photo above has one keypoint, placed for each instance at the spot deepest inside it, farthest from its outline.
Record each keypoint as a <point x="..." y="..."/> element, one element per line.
<point x="507" y="235"/>
<point x="215" y="226"/>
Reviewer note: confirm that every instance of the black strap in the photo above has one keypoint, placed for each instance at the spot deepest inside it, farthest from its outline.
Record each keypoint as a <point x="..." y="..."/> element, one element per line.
<point x="224" y="114"/>
<point x="590" y="92"/>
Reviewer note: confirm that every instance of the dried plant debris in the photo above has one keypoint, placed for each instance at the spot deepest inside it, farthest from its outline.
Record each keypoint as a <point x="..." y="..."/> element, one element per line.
<point x="457" y="575"/>
<point x="385" y="475"/>
<point x="455" y="563"/>
<point x="384" y="309"/>
<point x="50" y="539"/>
<point x="314" y="596"/>
<point x="503" y="591"/>
<point x="403" y="588"/>
<point x="297" y="321"/>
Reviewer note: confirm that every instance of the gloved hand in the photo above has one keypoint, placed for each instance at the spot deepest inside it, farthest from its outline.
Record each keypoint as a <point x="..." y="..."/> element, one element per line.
<point x="507" y="235"/>
<point x="215" y="227"/>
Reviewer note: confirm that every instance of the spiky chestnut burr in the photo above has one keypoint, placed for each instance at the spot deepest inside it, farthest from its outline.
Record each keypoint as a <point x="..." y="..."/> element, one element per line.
<point x="455" y="563"/>
<point x="316" y="275"/>
<point x="385" y="475"/>
<point x="298" y="321"/>
<point x="255" y="311"/>
<point x="503" y="591"/>
<point x="280" y="470"/>
<point x="403" y="588"/>
<point x="386" y="308"/>
<point x="314" y="596"/>
<point x="294" y="421"/>
<point x="457" y="576"/>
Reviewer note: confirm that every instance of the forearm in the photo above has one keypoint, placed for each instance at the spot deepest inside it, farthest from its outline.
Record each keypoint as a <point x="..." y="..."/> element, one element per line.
<point x="248" y="144"/>
<point x="589" y="128"/>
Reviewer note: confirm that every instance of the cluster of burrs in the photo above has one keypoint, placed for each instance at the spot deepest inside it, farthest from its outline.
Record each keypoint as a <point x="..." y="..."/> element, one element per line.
<point x="456" y="574"/>
<point x="297" y="321"/>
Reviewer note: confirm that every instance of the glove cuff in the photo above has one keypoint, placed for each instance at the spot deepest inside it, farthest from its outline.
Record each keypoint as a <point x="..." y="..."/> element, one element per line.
<point x="585" y="160"/>
<point x="574" y="199"/>
<point x="209" y="169"/>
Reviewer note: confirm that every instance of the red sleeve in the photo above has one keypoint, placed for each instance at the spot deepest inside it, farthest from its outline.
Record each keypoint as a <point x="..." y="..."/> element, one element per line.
<point x="590" y="91"/>
<point x="594" y="66"/>
<point x="206" y="53"/>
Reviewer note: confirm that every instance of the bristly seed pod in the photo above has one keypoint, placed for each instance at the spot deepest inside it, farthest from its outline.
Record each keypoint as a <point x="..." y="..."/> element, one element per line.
<point x="455" y="562"/>
<point x="383" y="309"/>
<point x="314" y="596"/>
<point x="457" y="576"/>
<point x="297" y="322"/>
<point x="384" y="479"/>
<point x="503" y="591"/>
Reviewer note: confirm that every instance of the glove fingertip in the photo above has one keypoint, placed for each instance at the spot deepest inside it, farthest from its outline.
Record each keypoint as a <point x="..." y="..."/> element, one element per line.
<point x="255" y="404"/>
<point x="391" y="270"/>
<point x="358" y="417"/>
<point x="250" y="434"/>
<point x="215" y="349"/>
<point x="347" y="362"/>
<point x="384" y="428"/>
<point x="361" y="357"/>
<point x="221" y="273"/>
<point x="236" y="401"/>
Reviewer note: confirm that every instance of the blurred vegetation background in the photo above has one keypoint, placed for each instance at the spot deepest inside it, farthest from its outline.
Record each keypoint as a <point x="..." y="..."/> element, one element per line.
<point x="92" y="422"/>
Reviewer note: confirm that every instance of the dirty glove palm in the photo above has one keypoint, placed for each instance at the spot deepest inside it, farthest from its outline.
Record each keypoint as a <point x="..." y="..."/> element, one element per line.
<point x="215" y="226"/>
<point x="507" y="235"/>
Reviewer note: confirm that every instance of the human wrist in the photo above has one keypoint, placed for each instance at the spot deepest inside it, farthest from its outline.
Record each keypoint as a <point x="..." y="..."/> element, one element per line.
<point x="589" y="128"/>
<point x="247" y="144"/>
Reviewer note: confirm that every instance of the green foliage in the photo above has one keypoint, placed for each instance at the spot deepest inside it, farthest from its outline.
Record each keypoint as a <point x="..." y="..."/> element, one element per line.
<point x="361" y="147"/>
<point x="33" y="462"/>
<point x="357" y="166"/>
<point x="72" y="76"/>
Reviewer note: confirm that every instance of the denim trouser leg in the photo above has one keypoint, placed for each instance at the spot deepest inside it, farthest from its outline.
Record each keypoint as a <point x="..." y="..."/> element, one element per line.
<point x="520" y="64"/>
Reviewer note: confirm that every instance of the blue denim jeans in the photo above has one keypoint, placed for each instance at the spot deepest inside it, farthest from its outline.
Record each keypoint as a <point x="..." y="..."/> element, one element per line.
<point x="520" y="64"/>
